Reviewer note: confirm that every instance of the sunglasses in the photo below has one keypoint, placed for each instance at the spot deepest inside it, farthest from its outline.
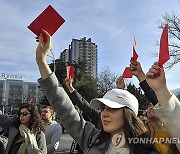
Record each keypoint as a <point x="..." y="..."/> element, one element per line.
<point x="24" y="113"/>
<point x="44" y="111"/>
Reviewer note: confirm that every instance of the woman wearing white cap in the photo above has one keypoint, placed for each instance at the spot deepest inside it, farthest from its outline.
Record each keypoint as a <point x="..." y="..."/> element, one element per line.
<point x="118" y="114"/>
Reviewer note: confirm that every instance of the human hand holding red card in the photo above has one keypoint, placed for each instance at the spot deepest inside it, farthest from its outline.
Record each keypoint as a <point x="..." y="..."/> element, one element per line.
<point x="70" y="72"/>
<point x="164" y="49"/>
<point x="48" y="20"/>
<point x="135" y="55"/>
<point x="127" y="73"/>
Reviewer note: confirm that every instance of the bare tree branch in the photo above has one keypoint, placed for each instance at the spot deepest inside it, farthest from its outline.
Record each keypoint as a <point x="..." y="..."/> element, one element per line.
<point x="173" y="22"/>
<point x="106" y="80"/>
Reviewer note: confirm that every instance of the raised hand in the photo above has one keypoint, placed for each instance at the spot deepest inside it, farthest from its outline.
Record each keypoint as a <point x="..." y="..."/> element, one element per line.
<point x="120" y="83"/>
<point x="69" y="84"/>
<point x="41" y="54"/>
<point x="157" y="81"/>
<point x="136" y="70"/>
<point x="43" y="48"/>
<point x="156" y="77"/>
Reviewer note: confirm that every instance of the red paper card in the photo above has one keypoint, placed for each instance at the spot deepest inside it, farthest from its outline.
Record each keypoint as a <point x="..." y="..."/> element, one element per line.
<point x="48" y="20"/>
<point x="70" y="72"/>
<point x="135" y="55"/>
<point x="127" y="73"/>
<point x="164" y="49"/>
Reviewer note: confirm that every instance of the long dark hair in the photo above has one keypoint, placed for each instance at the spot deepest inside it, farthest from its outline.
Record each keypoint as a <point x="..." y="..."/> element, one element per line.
<point x="133" y="128"/>
<point x="35" y="123"/>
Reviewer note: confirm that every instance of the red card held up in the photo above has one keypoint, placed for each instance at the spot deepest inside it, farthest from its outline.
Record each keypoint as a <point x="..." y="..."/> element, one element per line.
<point x="70" y="72"/>
<point x="48" y="20"/>
<point x="164" y="49"/>
<point x="135" y="55"/>
<point x="127" y="73"/>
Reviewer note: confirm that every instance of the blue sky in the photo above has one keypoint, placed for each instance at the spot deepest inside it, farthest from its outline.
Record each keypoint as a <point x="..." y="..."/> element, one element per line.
<point x="112" y="25"/>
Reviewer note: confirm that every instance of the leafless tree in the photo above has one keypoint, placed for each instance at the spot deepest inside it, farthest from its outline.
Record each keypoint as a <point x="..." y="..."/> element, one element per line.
<point x="173" y="22"/>
<point x="106" y="80"/>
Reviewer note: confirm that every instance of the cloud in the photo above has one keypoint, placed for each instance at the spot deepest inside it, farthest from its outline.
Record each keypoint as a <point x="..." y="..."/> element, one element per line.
<point x="112" y="25"/>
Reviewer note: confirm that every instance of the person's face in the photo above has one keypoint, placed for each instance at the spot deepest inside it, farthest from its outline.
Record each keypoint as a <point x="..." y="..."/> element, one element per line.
<point x="120" y="83"/>
<point x="24" y="116"/>
<point x="112" y="119"/>
<point x="46" y="114"/>
<point x="150" y="112"/>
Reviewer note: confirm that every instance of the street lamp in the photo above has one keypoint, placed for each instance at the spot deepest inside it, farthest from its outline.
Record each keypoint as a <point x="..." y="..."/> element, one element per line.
<point x="3" y="105"/>
<point x="4" y="96"/>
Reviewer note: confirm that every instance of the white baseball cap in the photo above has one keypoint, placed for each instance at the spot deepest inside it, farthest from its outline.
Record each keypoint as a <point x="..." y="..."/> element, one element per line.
<point x="117" y="98"/>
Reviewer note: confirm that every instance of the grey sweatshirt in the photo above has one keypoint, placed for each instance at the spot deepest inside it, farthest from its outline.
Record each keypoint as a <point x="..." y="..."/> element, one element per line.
<point x="53" y="133"/>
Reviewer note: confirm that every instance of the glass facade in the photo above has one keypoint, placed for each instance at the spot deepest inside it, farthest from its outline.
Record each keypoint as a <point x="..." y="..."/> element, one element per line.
<point x="15" y="92"/>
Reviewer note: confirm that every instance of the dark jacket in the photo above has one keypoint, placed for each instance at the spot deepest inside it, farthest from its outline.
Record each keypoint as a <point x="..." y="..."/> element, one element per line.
<point x="15" y="139"/>
<point x="84" y="106"/>
<point x="149" y="92"/>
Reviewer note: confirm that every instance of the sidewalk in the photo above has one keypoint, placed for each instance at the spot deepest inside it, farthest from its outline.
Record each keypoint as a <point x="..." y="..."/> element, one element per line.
<point x="65" y="144"/>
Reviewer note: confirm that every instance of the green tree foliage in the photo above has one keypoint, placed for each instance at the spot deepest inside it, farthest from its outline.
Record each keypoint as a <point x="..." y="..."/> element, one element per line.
<point x="137" y="92"/>
<point x="85" y="85"/>
<point x="60" y="70"/>
<point x="80" y="69"/>
<point x="44" y="101"/>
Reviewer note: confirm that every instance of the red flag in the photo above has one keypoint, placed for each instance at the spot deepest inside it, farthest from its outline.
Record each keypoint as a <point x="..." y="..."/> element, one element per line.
<point x="164" y="50"/>
<point x="48" y="20"/>
<point x="70" y="72"/>
<point x="127" y="73"/>
<point x="135" y="55"/>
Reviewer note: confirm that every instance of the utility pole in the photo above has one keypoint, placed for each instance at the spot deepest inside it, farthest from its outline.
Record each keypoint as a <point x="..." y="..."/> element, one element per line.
<point x="4" y="96"/>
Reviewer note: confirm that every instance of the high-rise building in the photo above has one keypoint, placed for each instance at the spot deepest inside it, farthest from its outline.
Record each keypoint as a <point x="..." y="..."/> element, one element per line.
<point x="82" y="50"/>
<point x="65" y="55"/>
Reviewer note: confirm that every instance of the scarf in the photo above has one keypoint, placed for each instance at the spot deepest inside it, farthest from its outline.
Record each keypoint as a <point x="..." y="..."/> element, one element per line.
<point x="30" y="145"/>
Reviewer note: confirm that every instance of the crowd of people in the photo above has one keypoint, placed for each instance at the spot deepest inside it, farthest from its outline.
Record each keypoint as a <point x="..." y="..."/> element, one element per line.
<point x="30" y="132"/>
<point x="112" y="124"/>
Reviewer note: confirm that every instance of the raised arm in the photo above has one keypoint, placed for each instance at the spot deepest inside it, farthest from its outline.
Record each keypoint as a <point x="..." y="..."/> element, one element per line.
<point x="137" y="71"/>
<point x="120" y="83"/>
<point x="83" y="104"/>
<point x="75" y="125"/>
<point x="168" y="106"/>
<point x="41" y="54"/>
<point x="157" y="81"/>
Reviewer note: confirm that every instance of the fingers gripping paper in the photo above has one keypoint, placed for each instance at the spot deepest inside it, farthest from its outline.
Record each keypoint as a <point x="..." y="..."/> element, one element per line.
<point x="70" y="72"/>
<point x="48" y="20"/>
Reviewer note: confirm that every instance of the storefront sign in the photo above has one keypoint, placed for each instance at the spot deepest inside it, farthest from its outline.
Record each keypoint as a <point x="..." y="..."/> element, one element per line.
<point x="10" y="76"/>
